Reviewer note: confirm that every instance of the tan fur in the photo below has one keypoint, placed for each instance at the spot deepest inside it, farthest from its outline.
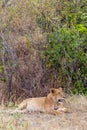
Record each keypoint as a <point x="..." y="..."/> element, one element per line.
<point x="44" y="104"/>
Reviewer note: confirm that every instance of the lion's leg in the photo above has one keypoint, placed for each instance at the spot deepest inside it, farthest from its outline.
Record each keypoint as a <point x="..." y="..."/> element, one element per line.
<point x="19" y="111"/>
<point x="54" y="112"/>
<point x="63" y="109"/>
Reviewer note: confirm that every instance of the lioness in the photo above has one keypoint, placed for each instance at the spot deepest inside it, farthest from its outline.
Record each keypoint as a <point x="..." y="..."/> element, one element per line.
<point x="50" y="104"/>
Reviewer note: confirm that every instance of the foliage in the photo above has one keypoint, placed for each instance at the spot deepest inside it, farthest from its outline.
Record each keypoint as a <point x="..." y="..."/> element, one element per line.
<point x="67" y="54"/>
<point x="66" y="48"/>
<point x="20" y="38"/>
<point x="43" y="44"/>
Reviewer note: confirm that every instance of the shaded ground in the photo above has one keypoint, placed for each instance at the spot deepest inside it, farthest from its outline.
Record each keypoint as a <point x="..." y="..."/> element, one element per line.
<point x="76" y="119"/>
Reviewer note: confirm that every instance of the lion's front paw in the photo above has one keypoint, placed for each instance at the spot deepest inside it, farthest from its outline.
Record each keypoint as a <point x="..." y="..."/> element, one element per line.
<point x="63" y="109"/>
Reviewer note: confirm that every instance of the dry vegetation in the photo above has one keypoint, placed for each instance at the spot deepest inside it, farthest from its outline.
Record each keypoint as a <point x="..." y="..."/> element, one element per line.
<point x="43" y="44"/>
<point x="75" y="119"/>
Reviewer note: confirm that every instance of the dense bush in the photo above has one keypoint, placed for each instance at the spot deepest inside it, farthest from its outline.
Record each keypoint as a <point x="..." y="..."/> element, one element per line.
<point x="20" y="40"/>
<point x="66" y="48"/>
<point x="43" y="44"/>
<point x="67" y="53"/>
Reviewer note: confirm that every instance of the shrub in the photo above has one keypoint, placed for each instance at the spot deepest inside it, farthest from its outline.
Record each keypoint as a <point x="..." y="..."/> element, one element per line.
<point x="67" y="53"/>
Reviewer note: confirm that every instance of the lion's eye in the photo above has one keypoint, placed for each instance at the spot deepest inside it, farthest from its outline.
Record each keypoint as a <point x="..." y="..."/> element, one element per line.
<point x="59" y="100"/>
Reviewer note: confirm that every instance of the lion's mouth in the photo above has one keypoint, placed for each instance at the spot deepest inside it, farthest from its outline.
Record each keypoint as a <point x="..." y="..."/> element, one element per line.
<point x="55" y="107"/>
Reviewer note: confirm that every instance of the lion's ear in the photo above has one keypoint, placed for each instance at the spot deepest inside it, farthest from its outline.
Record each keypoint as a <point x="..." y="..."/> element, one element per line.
<point x="60" y="88"/>
<point x="52" y="90"/>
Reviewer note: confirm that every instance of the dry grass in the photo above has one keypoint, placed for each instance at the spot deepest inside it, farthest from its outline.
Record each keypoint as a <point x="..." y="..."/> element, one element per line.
<point x="76" y="119"/>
